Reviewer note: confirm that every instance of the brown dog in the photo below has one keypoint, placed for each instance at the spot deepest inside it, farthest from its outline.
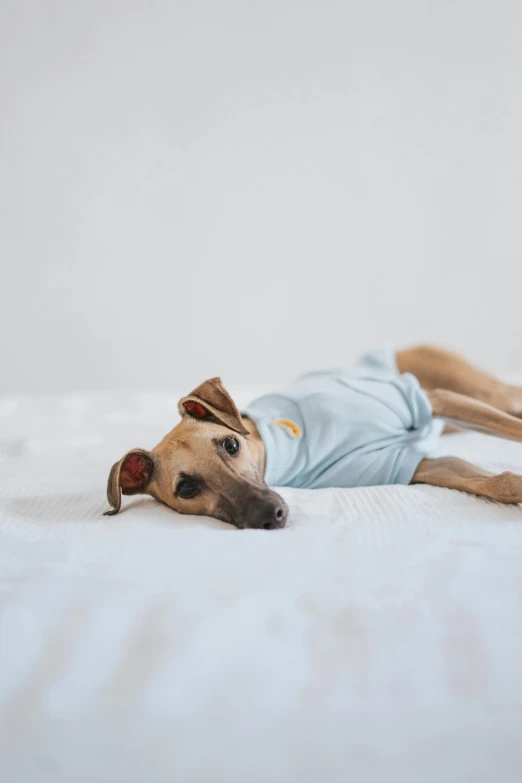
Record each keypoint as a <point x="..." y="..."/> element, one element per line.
<point x="213" y="462"/>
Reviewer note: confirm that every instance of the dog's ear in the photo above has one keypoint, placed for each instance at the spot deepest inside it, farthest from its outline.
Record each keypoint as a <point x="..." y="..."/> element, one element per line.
<point x="212" y="402"/>
<point x="131" y="475"/>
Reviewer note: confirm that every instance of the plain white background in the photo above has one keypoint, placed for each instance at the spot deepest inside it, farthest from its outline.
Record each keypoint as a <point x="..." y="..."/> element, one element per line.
<point x="253" y="189"/>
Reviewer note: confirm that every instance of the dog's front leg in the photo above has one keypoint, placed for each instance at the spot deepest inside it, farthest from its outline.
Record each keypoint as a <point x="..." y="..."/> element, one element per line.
<point x="454" y="473"/>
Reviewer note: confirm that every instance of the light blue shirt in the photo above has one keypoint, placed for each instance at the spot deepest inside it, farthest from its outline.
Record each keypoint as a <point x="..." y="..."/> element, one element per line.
<point x="360" y="426"/>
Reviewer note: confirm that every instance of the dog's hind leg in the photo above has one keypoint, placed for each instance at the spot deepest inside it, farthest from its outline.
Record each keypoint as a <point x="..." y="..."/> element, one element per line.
<point x="473" y="414"/>
<point x="454" y="473"/>
<point x="436" y="368"/>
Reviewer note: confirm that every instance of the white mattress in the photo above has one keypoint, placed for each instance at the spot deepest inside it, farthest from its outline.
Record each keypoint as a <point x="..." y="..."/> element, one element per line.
<point x="377" y="637"/>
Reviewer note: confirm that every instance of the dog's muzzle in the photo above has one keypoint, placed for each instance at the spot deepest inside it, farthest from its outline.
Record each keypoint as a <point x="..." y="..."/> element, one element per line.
<point x="268" y="515"/>
<point x="253" y="506"/>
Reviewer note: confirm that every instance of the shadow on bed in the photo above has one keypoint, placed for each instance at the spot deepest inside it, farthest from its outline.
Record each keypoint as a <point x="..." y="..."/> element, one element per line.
<point x="81" y="507"/>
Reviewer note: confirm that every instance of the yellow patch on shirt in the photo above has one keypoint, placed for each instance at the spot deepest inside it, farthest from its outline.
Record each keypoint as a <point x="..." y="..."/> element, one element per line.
<point x="290" y="426"/>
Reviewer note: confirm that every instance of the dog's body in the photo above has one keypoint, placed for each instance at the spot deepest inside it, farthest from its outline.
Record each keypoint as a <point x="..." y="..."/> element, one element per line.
<point x="355" y="426"/>
<point x="374" y="423"/>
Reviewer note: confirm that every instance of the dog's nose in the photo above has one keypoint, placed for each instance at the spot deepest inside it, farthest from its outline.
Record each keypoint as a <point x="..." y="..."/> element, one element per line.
<point x="265" y="510"/>
<point x="274" y="520"/>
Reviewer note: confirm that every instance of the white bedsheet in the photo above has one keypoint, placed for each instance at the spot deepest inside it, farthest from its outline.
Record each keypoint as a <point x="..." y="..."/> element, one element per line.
<point x="377" y="637"/>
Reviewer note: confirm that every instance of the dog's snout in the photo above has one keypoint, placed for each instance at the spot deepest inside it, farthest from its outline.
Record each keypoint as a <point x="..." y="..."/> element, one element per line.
<point x="261" y="509"/>
<point x="271" y="518"/>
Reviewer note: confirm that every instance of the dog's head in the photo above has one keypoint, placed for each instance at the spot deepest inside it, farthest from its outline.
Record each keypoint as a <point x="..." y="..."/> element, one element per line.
<point x="206" y="465"/>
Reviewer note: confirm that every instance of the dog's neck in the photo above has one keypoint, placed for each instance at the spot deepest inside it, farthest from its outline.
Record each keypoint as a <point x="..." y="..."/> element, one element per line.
<point x="255" y="444"/>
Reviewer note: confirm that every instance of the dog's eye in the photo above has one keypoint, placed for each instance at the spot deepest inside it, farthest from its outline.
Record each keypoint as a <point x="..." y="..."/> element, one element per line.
<point x="231" y="445"/>
<point x="187" y="488"/>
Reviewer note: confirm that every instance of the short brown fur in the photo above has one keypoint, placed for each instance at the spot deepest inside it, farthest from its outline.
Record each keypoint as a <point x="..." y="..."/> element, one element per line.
<point x="233" y="488"/>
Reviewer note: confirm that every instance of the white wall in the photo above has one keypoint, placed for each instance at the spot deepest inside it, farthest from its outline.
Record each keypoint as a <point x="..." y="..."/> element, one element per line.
<point x="255" y="188"/>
